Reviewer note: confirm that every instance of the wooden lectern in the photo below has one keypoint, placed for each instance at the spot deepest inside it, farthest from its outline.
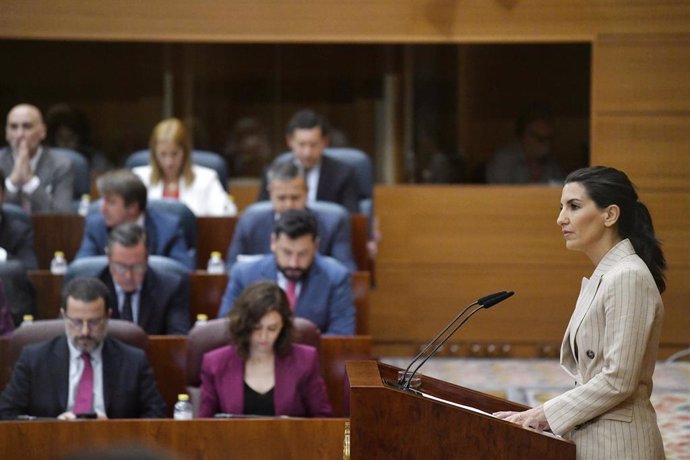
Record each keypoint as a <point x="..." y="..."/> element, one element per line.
<point x="387" y="422"/>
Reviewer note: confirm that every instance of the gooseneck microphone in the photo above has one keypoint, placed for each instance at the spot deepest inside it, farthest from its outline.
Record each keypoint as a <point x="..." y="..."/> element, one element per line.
<point x="484" y="302"/>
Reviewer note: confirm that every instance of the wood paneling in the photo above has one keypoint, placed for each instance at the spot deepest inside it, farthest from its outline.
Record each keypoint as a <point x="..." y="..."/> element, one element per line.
<point x="637" y="73"/>
<point x="337" y="21"/>
<point x="195" y="439"/>
<point x="450" y="245"/>
<point x="651" y="149"/>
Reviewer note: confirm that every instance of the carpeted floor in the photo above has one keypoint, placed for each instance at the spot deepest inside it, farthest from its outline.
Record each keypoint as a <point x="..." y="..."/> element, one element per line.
<point x="531" y="382"/>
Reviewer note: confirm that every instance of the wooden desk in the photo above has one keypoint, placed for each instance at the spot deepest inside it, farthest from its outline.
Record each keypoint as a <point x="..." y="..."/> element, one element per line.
<point x="206" y="292"/>
<point x="213" y="234"/>
<point x="195" y="439"/>
<point x="56" y="232"/>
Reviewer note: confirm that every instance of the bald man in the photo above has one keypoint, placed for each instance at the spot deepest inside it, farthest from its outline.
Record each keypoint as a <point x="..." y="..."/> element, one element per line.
<point x="36" y="179"/>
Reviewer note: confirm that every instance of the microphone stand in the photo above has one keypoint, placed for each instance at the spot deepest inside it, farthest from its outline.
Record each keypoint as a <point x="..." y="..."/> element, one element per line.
<point x="405" y="383"/>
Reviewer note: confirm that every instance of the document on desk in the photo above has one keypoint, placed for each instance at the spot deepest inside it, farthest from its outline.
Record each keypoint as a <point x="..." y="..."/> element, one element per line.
<point x="478" y="411"/>
<point x="461" y="406"/>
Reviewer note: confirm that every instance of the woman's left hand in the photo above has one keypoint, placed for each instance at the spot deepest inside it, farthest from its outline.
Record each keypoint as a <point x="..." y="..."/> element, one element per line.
<point x="532" y="418"/>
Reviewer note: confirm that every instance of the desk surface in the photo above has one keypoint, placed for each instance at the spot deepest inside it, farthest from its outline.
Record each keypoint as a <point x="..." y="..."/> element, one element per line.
<point x="205" y="439"/>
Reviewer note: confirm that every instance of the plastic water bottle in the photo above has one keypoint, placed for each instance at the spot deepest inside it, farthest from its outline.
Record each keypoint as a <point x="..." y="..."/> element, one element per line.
<point x="58" y="266"/>
<point x="84" y="204"/>
<point x="201" y="319"/>
<point x="183" y="408"/>
<point x="215" y="263"/>
<point x="27" y="319"/>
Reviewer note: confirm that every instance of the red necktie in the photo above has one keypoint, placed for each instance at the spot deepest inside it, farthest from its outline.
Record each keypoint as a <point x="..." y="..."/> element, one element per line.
<point x="292" y="293"/>
<point x="83" y="402"/>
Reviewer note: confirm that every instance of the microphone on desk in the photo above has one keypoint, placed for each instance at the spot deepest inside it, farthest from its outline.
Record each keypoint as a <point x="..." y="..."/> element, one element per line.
<point x="483" y="302"/>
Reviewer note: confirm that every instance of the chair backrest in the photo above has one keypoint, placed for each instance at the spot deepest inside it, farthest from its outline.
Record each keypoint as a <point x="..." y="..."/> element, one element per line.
<point x="80" y="165"/>
<point x="199" y="157"/>
<point x="38" y="331"/>
<point x="216" y="333"/>
<point x="93" y="265"/>
<point x="85" y="267"/>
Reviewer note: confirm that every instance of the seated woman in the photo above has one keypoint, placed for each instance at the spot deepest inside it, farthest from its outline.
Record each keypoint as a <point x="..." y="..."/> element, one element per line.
<point x="263" y="372"/>
<point x="171" y="173"/>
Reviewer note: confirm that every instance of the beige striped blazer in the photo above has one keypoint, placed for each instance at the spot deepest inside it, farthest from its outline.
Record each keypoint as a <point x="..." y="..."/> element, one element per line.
<point x="610" y="348"/>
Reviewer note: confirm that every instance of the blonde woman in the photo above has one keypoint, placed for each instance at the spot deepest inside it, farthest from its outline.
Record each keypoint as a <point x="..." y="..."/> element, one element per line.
<point x="171" y="173"/>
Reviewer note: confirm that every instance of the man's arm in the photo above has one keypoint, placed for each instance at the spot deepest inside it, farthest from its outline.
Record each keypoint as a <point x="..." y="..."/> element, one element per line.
<point x="89" y="244"/>
<point x="151" y="403"/>
<point x="62" y="183"/>
<point x="342" y="311"/>
<point x="15" y="400"/>
<point x="342" y="242"/>
<point x="232" y="291"/>
<point x="177" y="318"/>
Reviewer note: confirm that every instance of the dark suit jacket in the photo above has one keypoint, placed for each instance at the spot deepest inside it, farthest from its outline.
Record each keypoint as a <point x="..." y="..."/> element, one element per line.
<point x="163" y="235"/>
<point x="325" y="298"/>
<point x="17" y="238"/>
<point x="337" y="183"/>
<point x="163" y="302"/>
<point x="40" y="382"/>
<point x="253" y="233"/>
<point x="57" y="182"/>
<point x="299" y="389"/>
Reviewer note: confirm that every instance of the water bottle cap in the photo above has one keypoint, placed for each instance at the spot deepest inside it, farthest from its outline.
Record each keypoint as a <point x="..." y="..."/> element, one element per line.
<point x="86" y="197"/>
<point x="28" y="317"/>
<point x="201" y="317"/>
<point x="59" y="254"/>
<point x="183" y="397"/>
<point x="216" y="254"/>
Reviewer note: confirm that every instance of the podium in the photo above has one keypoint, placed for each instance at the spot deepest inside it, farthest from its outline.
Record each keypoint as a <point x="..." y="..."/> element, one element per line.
<point x="387" y="422"/>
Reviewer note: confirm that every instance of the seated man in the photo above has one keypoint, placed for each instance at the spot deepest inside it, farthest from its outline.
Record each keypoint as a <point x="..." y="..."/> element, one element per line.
<point x="17" y="257"/>
<point x="37" y="179"/>
<point x="328" y="179"/>
<point x="83" y="371"/>
<point x="529" y="160"/>
<point x="157" y="301"/>
<point x="16" y="236"/>
<point x="318" y="287"/>
<point x="124" y="200"/>
<point x="288" y="190"/>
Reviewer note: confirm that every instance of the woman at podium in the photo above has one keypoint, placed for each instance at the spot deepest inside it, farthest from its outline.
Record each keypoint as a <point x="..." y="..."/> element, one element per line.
<point x="610" y="345"/>
<point x="262" y="372"/>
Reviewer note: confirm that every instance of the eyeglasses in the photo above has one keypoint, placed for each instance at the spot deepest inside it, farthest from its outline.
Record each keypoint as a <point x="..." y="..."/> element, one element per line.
<point x="121" y="269"/>
<point x="79" y="323"/>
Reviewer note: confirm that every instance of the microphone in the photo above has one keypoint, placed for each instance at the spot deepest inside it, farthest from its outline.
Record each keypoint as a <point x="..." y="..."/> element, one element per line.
<point x="483" y="302"/>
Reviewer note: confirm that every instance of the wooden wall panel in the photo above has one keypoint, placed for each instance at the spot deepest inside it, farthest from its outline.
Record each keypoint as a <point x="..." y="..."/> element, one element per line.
<point x="651" y="149"/>
<point x="443" y="247"/>
<point x="637" y="73"/>
<point x="337" y="21"/>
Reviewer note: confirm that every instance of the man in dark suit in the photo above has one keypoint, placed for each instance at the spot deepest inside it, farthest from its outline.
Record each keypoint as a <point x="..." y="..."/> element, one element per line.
<point x="17" y="256"/>
<point x="157" y="301"/>
<point x="124" y="200"/>
<point x="37" y="179"/>
<point x="327" y="179"/>
<point x="83" y="371"/>
<point x="288" y="190"/>
<point x="318" y="287"/>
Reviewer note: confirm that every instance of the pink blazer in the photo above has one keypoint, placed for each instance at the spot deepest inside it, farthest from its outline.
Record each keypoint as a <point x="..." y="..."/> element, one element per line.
<point x="299" y="391"/>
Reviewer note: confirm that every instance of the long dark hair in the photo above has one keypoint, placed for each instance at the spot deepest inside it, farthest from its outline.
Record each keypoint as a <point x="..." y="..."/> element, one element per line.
<point x="607" y="186"/>
<point x="255" y="301"/>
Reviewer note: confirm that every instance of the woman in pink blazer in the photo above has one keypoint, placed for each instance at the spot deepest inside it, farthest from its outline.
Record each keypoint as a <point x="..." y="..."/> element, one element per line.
<point x="611" y="343"/>
<point x="263" y="372"/>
